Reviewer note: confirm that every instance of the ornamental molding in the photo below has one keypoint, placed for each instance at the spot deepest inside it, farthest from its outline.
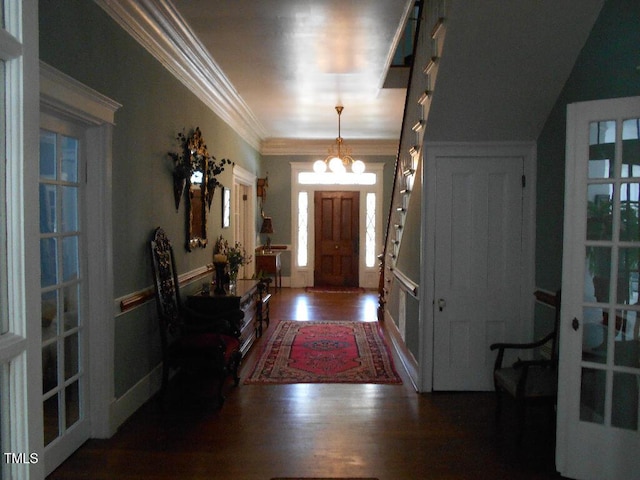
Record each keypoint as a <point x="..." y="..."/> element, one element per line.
<point x="161" y="30"/>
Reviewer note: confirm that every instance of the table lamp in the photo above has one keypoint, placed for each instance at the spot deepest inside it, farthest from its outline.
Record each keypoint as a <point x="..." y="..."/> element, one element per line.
<point x="267" y="228"/>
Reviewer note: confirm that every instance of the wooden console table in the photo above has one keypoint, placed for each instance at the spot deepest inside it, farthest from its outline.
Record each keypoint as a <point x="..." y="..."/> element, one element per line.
<point x="269" y="262"/>
<point x="246" y="298"/>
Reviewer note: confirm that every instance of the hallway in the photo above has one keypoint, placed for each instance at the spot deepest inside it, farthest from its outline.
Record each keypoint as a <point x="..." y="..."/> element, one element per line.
<point x="309" y="430"/>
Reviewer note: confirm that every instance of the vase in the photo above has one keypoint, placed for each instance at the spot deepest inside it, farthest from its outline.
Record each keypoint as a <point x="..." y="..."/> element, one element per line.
<point x="233" y="281"/>
<point x="220" y="267"/>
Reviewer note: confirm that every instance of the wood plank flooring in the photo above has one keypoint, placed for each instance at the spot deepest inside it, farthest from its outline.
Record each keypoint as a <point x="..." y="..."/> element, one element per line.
<point x="322" y="430"/>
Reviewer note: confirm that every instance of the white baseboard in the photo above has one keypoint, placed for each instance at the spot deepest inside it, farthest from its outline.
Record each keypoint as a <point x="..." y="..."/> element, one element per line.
<point x="126" y="405"/>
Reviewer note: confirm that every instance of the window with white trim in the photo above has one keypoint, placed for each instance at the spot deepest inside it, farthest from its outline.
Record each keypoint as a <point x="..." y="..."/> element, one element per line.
<point x="18" y="23"/>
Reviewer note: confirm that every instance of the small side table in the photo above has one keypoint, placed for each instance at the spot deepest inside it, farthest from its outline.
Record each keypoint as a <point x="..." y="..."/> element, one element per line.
<point x="269" y="262"/>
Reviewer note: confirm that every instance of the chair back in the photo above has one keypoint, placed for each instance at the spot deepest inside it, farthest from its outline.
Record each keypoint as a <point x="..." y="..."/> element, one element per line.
<point x="166" y="284"/>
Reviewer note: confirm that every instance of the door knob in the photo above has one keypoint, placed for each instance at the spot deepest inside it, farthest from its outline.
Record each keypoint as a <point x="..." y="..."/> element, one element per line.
<point x="441" y="304"/>
<point x="575" y="324"/>
<point x="336" y="247"/>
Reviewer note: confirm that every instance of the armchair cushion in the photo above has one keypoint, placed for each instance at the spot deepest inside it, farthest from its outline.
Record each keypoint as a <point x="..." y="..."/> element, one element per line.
<point x="541" y="381"/>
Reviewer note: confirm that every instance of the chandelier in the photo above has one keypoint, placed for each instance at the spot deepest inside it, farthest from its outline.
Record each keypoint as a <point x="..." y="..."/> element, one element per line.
<point x="339" y="156"/>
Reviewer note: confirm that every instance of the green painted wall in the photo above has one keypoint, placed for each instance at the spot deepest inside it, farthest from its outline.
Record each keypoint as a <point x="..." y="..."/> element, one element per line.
<point x="81" y="40"/>
<point x="607" y="67"/>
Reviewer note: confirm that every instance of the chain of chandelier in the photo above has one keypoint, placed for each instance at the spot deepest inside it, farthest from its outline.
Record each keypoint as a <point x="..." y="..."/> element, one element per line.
<point x="339" y="158"/>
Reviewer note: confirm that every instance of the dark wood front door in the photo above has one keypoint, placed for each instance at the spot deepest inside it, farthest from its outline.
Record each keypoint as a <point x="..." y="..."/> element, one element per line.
<point x="336" y="238"/>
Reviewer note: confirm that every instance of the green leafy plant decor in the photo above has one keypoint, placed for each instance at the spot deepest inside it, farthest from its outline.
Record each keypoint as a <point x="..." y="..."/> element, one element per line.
<point x="193" y="156"/>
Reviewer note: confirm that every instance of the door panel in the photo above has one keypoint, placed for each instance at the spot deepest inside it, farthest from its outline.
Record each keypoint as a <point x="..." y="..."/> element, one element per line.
<point x="336" y="238"/>
<point x="477" y="267"/>
<point x="599" y="377"/>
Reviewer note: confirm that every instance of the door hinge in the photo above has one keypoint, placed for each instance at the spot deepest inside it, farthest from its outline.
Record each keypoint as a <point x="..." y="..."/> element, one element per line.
<point x="524" y="181"/>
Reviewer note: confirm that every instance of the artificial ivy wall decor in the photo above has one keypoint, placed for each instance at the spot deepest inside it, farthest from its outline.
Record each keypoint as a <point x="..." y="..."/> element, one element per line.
<point x="192" y="162"/>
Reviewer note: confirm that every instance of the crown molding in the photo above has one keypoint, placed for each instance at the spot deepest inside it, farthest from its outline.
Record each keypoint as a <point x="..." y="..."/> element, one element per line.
<point x="287" y="146"/>
<point x="161" y="30"/>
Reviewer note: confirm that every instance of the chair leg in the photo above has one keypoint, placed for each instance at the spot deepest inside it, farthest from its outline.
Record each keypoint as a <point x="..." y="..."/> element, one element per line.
<point x="234" y="366"/>
<point x="521" y="409"/>
<point x="220" y="396"/>
<point x="498" y="404"/>
<point x="162" y="394"/>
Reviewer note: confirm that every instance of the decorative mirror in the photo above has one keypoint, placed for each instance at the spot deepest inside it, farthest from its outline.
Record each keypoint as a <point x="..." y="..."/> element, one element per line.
<point x="196" y="169"/>
<point x="196" y="210"/>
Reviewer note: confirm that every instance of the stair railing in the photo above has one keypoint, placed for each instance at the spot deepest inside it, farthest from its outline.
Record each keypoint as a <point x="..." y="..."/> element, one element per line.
<point x="427" y="50"/>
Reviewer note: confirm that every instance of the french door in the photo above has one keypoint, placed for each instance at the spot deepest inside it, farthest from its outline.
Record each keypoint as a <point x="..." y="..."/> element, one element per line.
<point x="599" y="377"/>
<point x="63" y="286"/>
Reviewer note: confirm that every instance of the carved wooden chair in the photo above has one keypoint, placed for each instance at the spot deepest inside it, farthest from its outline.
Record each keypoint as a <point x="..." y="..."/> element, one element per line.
<point x="534" y="380"/>
<point x="190" y="339"/>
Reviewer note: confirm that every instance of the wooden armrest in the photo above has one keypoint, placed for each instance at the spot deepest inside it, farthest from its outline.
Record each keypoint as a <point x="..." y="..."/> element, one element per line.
<point x="501" y="347"/>
<point x="523" y="346"/>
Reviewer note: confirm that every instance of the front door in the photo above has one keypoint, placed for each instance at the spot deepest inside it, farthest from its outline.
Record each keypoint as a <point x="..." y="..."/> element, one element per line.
<point x="599" y="376"/>
<point x="478" y="234"/>
<point x="336" y="238"/>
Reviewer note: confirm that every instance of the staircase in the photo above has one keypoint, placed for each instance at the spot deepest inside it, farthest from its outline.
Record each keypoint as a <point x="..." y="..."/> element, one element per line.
<point x="428" y="46"/>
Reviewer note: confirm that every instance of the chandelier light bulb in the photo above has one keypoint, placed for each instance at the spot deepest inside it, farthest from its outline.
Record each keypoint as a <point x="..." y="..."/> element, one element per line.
<point x="357" y="167"/>
<point x="319" y="166"/>
<point x="335" y="165"/>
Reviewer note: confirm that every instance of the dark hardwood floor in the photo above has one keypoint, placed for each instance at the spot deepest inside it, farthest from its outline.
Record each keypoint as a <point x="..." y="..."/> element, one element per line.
<point x="319" y="430"/>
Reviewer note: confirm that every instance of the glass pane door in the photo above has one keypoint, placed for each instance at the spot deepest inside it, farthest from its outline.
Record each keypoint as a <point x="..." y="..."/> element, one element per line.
<point x="599" y="383"/>
<point x="61" y="284"/>
<point x="610" y="375"/>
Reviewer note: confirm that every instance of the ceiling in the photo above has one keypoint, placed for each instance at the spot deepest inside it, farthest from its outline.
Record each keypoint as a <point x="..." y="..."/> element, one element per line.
<point x="274" y="70"/>
<point x="293" y="61"/>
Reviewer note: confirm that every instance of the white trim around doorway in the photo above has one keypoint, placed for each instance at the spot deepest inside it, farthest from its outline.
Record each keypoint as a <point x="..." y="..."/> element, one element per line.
<point x="302" y="276"/>
<point x="62" y="95"/>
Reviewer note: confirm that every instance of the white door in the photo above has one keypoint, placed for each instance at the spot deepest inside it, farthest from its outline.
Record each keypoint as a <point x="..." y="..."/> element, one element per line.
<point x="478" y="235"/>
<point x="63" y="286"/>
<point x="243" y="208"/>
<point x="599" y="378"/>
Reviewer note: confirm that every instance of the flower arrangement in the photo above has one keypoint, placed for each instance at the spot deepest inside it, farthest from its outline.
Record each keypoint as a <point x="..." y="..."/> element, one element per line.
<point x="193" y="156"/>
<point x="236" y="255"/>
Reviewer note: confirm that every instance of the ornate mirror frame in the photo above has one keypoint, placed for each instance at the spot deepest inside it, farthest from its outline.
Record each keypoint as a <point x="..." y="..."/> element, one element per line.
<point x="196" y="169"/>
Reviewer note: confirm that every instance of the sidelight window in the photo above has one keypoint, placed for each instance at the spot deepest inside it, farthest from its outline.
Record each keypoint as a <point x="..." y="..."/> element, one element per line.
<point x="303" y="229"/>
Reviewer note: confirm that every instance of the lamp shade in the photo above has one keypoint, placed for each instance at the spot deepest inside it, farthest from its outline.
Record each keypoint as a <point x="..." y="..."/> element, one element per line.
<point x="267" y="226"/>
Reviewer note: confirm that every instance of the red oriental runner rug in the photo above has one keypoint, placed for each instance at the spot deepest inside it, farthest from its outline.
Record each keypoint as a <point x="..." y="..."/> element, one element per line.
<point x="325" y="352"/>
